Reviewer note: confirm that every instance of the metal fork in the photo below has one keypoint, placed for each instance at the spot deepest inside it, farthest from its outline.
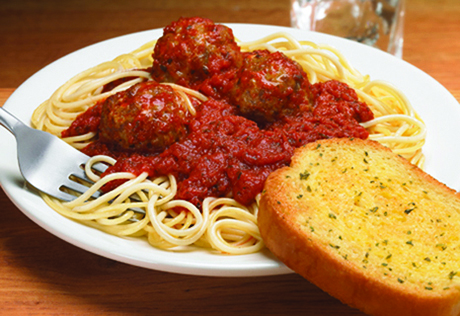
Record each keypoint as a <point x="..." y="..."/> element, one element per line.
<point x="47" y="162"/>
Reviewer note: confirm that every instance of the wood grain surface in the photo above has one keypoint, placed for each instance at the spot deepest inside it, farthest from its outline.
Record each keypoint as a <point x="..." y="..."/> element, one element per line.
<point x="43" y="275"/>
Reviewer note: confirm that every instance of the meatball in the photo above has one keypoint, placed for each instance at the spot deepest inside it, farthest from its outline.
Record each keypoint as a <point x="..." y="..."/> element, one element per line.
<point x="192" y="50"/>
<point x="268" y="85"/>
<point x="147" y="117"/>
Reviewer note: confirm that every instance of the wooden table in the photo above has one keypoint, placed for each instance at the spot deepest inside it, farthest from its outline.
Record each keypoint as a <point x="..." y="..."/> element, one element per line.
<point x="43" y="275"/>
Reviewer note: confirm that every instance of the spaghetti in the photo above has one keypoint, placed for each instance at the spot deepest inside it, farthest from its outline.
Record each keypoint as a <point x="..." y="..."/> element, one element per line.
<point x="146" y="207"/>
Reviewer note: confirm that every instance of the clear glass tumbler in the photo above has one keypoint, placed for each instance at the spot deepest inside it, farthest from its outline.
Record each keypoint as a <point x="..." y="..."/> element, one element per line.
<point x="378" y="23"/>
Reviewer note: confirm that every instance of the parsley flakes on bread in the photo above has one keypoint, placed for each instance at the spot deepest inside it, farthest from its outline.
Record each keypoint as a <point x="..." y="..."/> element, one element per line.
<point x="366" y="226"/>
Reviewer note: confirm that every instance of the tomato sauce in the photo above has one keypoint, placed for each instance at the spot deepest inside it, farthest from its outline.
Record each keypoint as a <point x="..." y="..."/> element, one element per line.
<point x="85" y="123"/>
<point x="261" y="108"/>
<point x="227" y="154"/>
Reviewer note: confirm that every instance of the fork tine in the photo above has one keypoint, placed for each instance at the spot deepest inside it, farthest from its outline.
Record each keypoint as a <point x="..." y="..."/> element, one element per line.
<point x="80" y="173"/>
<point x="100" y="167"/>
<point x="79" y="188"/>
<point x="61" y="195"/>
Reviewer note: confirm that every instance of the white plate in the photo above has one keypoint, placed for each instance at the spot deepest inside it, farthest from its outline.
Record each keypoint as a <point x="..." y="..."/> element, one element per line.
<point x="434" y="103"/>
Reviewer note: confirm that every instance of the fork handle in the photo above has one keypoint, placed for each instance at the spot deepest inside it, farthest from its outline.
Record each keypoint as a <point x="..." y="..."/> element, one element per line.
<point x="9" y="121"/>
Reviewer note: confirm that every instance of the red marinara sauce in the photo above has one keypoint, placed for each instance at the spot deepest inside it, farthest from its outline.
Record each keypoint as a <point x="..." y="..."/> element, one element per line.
<point x="261" y="107"/>
<point x="225" y="154"/>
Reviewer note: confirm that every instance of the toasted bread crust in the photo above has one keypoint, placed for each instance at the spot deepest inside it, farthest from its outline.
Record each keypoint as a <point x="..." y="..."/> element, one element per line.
<point x="289" y="228"/>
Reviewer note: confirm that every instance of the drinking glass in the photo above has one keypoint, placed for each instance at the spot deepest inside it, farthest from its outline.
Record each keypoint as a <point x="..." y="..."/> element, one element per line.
<point x="378" y="23"/>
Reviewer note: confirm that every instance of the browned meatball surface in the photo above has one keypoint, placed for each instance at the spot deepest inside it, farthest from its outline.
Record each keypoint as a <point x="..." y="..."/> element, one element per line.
<point x="147" y="117"/>
<point x="268" y="85"/>
<point x="192" y="50"/>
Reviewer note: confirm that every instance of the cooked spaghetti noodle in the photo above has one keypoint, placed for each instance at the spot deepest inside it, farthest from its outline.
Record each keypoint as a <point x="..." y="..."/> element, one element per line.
<point x="147" y="207"/>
